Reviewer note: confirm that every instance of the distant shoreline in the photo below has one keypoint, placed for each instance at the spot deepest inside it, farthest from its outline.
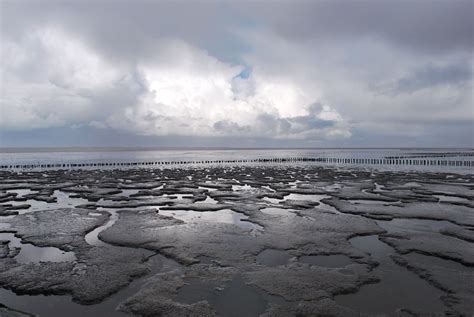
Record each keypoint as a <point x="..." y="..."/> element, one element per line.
<point x="140" y="149"/>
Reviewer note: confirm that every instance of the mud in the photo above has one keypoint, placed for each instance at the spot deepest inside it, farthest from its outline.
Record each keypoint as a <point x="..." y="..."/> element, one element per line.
<point x="237" y="240"/>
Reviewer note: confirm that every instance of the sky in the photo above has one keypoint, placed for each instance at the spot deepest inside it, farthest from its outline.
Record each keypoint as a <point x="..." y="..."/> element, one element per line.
<point x="237" y="73"/>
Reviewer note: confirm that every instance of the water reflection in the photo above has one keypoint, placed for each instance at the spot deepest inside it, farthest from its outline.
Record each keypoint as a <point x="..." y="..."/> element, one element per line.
<point x="315" y="198"/>
<point x="273" y="257"/>
<point x="220" y="216"/>
<point x="398" y="288"/>
<point x="333" y="261"/>
<point x="233" y="299"/>
<point x="30" y="253"/>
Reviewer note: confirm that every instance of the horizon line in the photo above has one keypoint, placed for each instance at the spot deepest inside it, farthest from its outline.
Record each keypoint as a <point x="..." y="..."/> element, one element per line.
<point x="24" y="149"/>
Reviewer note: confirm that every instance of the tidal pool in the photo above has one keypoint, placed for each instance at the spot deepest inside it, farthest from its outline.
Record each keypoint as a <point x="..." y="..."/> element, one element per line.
<point x="316" y="198"/>
<point x="449" y="199"/>
<point x="273" y="257"/>
<point x="233" y="299"/>
<point x="415" y="225"/>
<point x="31" y="253"/>
<point x="433" y="261"/>
<point x="398" y="288"/>
<point x="277" y="211"/>
<point x="62" y="201"/>
<point x="333" y="261"/>
<point x="373" y="202"/>
<point x="209" y="200"/>
<point x="59" y="306"/>
<point x="219" y="216"/>
<point x="21" y="192"/>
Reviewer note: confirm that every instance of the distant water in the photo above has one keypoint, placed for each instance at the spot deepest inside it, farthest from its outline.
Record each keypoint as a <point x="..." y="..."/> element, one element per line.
<point x="28" y="156"/>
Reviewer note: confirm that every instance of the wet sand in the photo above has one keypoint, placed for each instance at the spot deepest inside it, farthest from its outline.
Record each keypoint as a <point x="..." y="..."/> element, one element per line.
<point x="236" y="240"/>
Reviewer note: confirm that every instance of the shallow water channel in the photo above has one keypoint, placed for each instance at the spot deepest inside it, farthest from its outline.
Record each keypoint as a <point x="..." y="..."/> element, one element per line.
<point x="30" y="253"/>
<point x="58" y="305"/>
<point x="232" y="299"/>
<point x="54" y="305"/>
<point x="398" y="288"/>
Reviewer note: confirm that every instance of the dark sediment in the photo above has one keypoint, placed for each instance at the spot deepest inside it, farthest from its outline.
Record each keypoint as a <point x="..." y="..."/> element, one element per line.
<point x="279" y="237"/>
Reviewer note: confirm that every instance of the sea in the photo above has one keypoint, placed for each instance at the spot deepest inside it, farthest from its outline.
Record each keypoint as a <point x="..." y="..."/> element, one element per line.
<point x="427" y="159"/>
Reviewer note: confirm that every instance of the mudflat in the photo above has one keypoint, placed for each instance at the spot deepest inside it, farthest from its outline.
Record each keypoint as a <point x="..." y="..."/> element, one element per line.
<point x="236" y="241"/>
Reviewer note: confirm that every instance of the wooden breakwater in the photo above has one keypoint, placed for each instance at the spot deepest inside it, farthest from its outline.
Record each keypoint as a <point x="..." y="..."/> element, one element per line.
<point x="407" y="161"/>
<point x="431" y="155"/>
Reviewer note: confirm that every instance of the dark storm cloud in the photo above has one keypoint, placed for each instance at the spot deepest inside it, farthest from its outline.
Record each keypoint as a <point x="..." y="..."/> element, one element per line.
<point x="421" y="25"/>
<point x="456" y="74"/>
<point x="269" y="124"/>
<point x="229" y="127"/>
<point x="127" y="30"/>
<point x="332" y="51"/>
<point x="131" y="29"/>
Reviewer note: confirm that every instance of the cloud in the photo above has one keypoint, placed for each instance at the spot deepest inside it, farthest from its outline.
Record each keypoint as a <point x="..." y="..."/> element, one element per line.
<point x="55" y="80"/>
<point x="318" y="72"/>
<point x="321" y="122"/>
<point x="184" y="91"/>
<point x="432" y="76"/>
<point x="192" y="93"/>
<point x="434" y="26"/>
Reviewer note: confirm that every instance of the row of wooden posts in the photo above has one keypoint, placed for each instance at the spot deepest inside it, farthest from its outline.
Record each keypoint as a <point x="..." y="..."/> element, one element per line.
<point x="323" y="160"/>
<point x="431" y="155"/>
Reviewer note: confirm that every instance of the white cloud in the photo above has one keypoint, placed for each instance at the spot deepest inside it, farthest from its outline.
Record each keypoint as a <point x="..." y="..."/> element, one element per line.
<point x="50" y="79"/>
<point x="182" y="91"/>
<point x="192" y="93"/>
<point x="143" y="70"/>
<point x="306" y="90"/>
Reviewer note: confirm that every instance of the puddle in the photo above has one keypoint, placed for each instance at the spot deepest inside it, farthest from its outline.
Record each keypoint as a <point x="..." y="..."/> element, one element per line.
<point x="209" y="200"/>
<point x="398" y="288"/>
<point x="448" y="199"/>
<point x="411" y="184"/>
<point x="379" y="188"/>
<point x="241" y="187"/>
<point x="207" y="188"/>
<point x="34" y="205"/>
<point x="220" y="216"/>
<point x="204" y="259"/>
<point x="46" y="306"/>
<point x="59" y="306"/>
<point x="273" y="257"/>
<point x="272" y="200"/>
<point x="373" y="202"/>
<point x="127" y="192"/>
<point x="417" y="225"/>
<point x="277" y="211"/>
<point x="178" y="196"/>
<point x="333" y="188"/>
<point x="232" y="299"/>
<point x="268" y="187"/>
<point x="336" y="260"/>
<point x="4" y="226"/>
<point x="62" y="201"/>
<point x="293" y="184"/>
<point x="313" y="197"/>
<point x="433" y="261"/>
<point x="31" y="253"/>
<point x="21" y="192"/>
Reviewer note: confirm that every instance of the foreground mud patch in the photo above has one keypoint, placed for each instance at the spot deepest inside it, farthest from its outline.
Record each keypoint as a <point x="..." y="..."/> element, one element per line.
<point x="235" y="241"/>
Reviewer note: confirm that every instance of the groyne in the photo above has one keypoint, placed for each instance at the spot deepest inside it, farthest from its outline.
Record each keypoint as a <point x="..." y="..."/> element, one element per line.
<point x="399" y="161"/>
